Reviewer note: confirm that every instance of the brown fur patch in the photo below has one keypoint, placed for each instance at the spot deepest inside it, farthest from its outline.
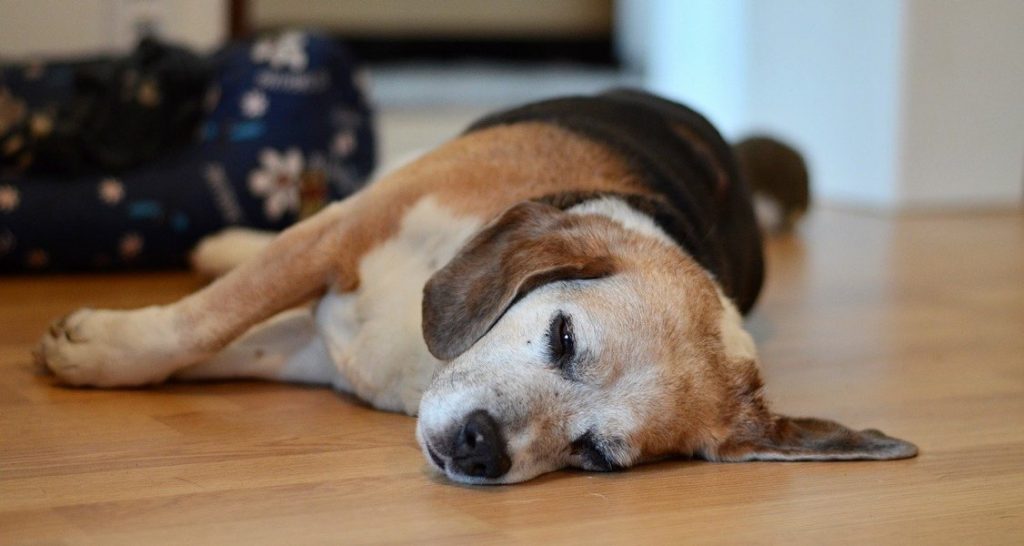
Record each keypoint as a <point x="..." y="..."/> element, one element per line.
<point x="481" y="174"/>
<point x="532" y="244"/>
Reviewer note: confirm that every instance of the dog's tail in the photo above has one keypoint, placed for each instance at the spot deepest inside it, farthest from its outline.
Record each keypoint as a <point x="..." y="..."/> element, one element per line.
<point x="778" y="179"/>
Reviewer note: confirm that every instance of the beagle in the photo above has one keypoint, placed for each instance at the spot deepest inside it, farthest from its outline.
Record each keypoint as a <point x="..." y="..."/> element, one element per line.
<point x="561" y="285"/>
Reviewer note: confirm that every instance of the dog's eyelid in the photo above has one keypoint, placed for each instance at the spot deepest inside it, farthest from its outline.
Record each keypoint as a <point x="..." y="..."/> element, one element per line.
<point x="562" y="340"/>
<point x="588" y="448"/>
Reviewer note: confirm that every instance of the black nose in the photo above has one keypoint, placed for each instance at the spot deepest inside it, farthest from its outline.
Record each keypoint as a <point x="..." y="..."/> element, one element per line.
<point x="480" y="448"/>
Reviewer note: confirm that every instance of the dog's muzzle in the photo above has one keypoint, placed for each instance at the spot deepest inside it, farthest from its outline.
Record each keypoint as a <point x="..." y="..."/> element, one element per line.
<point x="478" y="448"/>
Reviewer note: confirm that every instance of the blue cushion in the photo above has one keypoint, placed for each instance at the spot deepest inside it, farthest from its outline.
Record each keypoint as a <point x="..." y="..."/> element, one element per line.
<point x="288" y="129"/>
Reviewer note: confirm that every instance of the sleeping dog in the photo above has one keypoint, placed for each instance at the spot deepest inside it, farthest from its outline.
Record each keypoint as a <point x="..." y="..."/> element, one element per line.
<point x="561" y="285"/>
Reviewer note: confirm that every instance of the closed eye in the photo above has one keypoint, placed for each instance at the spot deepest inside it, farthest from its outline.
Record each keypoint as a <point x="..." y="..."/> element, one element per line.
<point x="561" y="342"/>
<point x="592" y="457"/>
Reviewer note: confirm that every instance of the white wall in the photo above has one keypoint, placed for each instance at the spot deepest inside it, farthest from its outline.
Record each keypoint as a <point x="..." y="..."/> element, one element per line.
<point x="897" y="104"/>
<point x="632" y="21"/>
<point x="697" y="54"/>
<point x="963" y="104"/>
<point x="826" y="77"/>
<point x="48" y="28"/>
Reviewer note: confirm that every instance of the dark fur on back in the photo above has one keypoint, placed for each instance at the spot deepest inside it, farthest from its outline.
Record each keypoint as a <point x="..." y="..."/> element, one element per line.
<point x="680" y="156"/>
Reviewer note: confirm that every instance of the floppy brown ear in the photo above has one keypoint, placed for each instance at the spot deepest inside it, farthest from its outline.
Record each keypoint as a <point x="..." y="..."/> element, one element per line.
<point x="531" y="244"/>
<point x="808" y="439"/>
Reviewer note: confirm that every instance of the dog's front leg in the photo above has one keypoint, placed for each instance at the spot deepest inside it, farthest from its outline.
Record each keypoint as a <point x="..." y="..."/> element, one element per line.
<point x="108" y="348"/>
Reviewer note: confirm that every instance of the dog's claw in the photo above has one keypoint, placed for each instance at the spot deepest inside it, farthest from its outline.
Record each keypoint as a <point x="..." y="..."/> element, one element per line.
<point x="59" y="326"/>
<point x="104" y="348"/>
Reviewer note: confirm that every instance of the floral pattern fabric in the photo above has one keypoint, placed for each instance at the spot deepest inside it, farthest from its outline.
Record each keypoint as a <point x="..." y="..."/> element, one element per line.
<point x="287" y="129"/>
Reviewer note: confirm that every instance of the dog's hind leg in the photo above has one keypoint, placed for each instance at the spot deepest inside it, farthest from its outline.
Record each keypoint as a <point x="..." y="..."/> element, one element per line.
<point x="286" y="347"/>
<point x="225" y="250"/>
<point x="125" y="348"/>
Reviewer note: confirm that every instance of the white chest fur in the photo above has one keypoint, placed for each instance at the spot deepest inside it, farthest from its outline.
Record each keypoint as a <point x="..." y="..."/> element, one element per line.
<point x="374" y="334"/>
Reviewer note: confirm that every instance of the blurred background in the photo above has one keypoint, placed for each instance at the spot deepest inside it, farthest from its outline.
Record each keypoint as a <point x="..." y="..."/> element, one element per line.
<point x="897" y="104"/>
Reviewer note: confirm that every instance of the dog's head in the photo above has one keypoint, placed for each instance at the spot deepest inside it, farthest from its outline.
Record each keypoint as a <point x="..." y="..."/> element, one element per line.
<point x="580" y="340"/>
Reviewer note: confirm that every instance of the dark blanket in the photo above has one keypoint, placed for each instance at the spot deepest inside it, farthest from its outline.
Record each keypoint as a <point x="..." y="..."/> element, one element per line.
<point x="280" y="127"/>
<point x="119" y="113"/>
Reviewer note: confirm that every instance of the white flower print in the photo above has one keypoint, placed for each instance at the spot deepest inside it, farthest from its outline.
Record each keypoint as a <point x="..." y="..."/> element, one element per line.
<point x="344" y="143"/>
<point x="9" y="198"/>
<point x="111" y="191"/>
<point x="131" y="245"/>
<point x="277" y="181"/>
<point x="254" y="103"/>
<point x="285" y="51"/>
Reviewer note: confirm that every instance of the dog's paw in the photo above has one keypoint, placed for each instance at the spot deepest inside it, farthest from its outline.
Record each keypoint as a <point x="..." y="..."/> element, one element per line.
<point x="110" y="348"/>
<point x="223" y="251"/>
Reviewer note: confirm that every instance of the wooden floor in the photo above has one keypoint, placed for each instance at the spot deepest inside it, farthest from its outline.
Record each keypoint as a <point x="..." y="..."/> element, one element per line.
<point x="914" y="326"/>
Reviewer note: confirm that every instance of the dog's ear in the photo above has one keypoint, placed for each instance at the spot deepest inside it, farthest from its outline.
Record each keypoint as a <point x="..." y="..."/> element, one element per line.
<point x="531" y="244"/>
<point x="807" y="439"/>
<point x="755" y="433"/>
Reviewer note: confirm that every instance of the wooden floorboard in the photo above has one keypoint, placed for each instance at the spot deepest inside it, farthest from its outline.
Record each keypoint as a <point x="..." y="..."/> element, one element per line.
<point x="912" y="325"/>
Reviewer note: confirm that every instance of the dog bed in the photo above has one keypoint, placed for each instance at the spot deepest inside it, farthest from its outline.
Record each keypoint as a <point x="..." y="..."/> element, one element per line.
<point x="284" y="128"/>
